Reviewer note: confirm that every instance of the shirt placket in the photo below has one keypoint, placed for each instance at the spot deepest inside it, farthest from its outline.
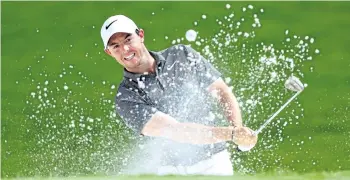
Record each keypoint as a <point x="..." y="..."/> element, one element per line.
<point x="158" y="79"/>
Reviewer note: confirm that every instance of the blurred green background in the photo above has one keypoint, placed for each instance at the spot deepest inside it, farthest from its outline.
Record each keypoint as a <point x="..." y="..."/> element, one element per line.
<point x="58" y="86"/>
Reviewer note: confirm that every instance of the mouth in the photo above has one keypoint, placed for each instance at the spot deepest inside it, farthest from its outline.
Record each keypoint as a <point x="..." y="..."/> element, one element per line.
<point x="127" y="58"/>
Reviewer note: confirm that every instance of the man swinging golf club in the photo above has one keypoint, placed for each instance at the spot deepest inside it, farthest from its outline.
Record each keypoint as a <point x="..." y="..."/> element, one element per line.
<point x="168" y="96"/>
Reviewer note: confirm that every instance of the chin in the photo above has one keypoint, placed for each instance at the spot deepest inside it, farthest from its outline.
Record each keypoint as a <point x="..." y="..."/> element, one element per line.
<point x="133" y="63"/>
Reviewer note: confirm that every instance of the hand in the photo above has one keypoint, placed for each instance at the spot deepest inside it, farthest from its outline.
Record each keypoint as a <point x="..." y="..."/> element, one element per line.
<point x="244" y="137"/>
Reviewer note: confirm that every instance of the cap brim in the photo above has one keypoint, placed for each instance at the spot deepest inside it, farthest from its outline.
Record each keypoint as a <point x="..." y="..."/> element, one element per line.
<point x="109" y="38"/>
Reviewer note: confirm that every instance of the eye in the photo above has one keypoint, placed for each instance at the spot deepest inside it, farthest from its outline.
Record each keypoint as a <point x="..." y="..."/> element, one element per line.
<point x="128" y="40"/>
<point x="115" y="46"/>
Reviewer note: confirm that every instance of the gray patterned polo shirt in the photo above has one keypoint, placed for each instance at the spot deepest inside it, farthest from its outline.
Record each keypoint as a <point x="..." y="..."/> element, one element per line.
<point x="178" y="88"/>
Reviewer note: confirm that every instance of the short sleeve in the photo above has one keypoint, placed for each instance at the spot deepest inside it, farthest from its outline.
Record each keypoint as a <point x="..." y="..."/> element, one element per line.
<point x="133" y="110"/>
<point x="205" y="71"/>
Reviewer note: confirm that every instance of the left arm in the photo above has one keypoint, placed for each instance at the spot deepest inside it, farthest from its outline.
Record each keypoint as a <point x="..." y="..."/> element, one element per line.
<point x="243" y="136"/>
<point x="210" y="79"/>
<point x="228" y="100"/>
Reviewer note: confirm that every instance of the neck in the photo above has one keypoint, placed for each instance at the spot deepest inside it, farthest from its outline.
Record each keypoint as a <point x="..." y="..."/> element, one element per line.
<point x="151" y="63"/>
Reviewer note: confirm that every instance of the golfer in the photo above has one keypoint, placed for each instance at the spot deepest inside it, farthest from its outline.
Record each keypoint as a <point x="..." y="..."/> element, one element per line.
<point x="174" y="96"/>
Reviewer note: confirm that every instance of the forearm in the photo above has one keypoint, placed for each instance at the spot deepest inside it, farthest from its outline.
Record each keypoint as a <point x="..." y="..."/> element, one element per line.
<point x="163" y="125"/>
<point x="231" y="108"/>
<point x="220" y="90"/>
<point x="198" y="134"/>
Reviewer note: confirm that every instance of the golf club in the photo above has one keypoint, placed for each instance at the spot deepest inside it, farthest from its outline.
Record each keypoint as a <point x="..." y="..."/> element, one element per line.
<point x="293" y="84"/>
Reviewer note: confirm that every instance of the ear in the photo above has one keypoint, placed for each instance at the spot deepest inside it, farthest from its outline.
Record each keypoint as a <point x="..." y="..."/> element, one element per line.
<point x="142" y="35"/>
<point x="108" y="52"/>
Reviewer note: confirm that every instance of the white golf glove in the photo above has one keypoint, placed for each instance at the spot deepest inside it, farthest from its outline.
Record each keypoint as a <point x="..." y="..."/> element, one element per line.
<point x="245" y="138"/>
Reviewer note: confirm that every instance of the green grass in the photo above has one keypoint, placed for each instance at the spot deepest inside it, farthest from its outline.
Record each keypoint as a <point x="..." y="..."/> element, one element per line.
<point x="40" y="40"/>
<point x="282" y="176"/>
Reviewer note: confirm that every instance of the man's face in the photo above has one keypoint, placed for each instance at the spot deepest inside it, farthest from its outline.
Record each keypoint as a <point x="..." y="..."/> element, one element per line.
<point x="127" y="49"/>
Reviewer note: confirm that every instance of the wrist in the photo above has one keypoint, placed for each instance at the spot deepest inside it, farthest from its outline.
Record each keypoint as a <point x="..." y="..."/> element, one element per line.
<point x="232" y="133"/>
<point x="237" y="123"/>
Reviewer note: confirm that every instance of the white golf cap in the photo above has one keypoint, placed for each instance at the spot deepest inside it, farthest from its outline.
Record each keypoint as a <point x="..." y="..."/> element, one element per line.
<point x="115" y="24"/>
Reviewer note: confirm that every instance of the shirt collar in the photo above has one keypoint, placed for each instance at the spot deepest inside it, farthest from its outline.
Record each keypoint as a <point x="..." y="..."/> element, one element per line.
<point x="160" y="61"/>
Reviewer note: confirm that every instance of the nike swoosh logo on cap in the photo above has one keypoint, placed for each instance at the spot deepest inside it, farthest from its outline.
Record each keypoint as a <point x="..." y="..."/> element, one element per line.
<point x="111" y="24"/>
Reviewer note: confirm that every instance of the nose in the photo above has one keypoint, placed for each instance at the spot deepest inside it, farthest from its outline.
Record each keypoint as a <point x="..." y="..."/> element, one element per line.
<point x="125" y="47"/>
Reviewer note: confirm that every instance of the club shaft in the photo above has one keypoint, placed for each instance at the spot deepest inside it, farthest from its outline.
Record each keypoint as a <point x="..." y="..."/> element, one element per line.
<point x="276" y="113"/>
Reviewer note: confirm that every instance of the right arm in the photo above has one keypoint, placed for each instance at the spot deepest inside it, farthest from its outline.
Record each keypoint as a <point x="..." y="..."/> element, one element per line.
<point x="145" y="119"/>
<point x="163" y="125"/>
